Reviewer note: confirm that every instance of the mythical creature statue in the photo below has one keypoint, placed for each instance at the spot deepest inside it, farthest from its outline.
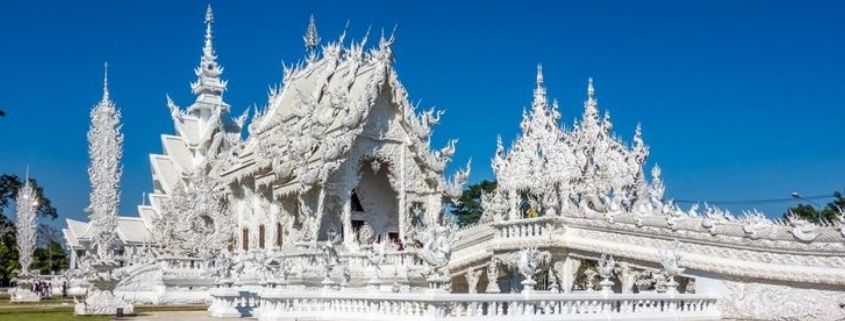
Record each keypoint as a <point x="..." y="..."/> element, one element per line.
<point x="712" y="217"/>
<point x="754" y="224"/>
<point x="376" y="255"/>
<point x="222" y="265"/>
<point x="529" y="261"/>
<point x="802" y="229"/>
<point x="437" y="245"/>
<point x="329" y="249"/>
<point x="605" y="267"/>
<point x="671" y="261"/>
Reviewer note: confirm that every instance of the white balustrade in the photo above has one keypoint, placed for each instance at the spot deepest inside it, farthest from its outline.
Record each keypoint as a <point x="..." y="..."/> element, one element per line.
<point x="524" y="228"/>
<point x="284" y="304"/>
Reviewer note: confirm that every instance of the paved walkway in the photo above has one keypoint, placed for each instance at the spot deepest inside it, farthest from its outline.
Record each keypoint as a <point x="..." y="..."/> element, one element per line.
<point x="172" y="316"/>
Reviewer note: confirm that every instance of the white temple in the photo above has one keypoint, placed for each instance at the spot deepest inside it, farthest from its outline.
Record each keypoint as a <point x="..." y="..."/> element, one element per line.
<point x="332" y="208"/>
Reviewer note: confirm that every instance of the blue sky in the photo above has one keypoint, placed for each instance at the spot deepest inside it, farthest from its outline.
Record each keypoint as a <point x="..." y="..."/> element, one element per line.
<point x="739" y="100"/>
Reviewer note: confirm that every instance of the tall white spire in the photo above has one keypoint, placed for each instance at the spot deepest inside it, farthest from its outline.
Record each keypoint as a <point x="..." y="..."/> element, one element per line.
<point x="312" y="39"/>
<point x="105" y="148"/>
<point x="26" y="206"/>
<point x="208" y="72"/>
<point x="540" y="99"/>
<point x="105" y="81"/>
<point x="591" y="112"/>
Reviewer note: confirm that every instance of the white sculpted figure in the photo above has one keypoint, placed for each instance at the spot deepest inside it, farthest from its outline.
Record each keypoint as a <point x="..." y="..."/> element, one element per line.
<point x="437" y="245"/>
<point x="527" y="263"/>
<point x="329" y="250"/>
<point x="754" y="224"/>
<point x="802" y="229"/>
<point x="713" y="217"/>
<point x="671" y="261"/>
<point x="605" y="267"/>
<point x="472" y="276"/>
<point x="223" y="266"/>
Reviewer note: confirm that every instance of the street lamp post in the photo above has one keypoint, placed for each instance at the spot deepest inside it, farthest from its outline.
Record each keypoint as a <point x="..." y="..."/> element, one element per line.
<point x="796" y="195"/>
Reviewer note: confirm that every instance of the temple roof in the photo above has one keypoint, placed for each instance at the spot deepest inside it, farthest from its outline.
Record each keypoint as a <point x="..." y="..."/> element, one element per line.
<point x="129" y="230"/>
<point x="310" y="123"/>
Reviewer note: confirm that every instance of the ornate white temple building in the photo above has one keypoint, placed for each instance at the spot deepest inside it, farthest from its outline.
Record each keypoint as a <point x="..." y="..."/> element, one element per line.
<point x="332" y="207"/>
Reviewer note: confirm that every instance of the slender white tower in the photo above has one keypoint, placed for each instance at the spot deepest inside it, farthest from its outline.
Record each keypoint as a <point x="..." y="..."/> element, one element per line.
<point x="27" y="203"/>
<point x="105" y="148"/>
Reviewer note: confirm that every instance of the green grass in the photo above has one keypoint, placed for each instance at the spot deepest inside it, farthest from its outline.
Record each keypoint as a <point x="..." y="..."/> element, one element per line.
<point x="58" y="309"/>
<point x="49" y="315"/>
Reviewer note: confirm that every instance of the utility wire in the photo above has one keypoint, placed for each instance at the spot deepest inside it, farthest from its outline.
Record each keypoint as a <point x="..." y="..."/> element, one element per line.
<point x="760" y="201"/>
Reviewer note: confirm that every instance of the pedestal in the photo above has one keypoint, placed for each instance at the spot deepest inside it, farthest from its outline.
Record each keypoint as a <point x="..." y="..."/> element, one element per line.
<point x="528" y="285"/>
<point x="103" y="302"/>
<point x="436" y="284"/>
<point x="672" y="286"/>
<point x="606" y="286"/>
<point x="224" y="301"/>
<point x="23" y="295"/>
<point x="100" y="298"/>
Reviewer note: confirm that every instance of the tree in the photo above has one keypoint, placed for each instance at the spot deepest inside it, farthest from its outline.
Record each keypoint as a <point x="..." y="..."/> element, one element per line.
<point x="50" y="258"/>
<point x="829" y="213"/>
<point x="469" y="210"/>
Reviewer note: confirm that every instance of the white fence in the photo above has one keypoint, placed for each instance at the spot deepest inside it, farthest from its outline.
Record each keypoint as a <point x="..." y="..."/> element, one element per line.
<point x="286" y="304"/>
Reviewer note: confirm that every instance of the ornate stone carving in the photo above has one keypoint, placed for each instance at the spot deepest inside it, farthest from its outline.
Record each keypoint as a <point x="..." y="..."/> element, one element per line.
<point x="605" y="268"/>
<point x="194" y="219"/>
<point x="671" y="262"/>
<point x="493" y="277"/>
<point x="759" y="301"/>
<point x="755" y="224"/>
<point x="802" y="229"/>
<point x="472" y="276"/>
<point x="437" y="245"/>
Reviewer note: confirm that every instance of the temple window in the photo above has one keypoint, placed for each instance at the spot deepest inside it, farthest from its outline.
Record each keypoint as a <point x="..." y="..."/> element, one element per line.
<point x="245" y="241"/>
<point x="279" y="234"/>
<point x="261" y="236"/>
<point x="355" y="203"/>
<point x="393" y="238"/>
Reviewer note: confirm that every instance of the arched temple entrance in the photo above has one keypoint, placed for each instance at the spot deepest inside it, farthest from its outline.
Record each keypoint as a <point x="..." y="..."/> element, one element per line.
<point x="375" y="202"/>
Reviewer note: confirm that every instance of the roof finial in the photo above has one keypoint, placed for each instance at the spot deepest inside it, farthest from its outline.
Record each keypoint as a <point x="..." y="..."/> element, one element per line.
<point x="539" y="75"/>
<point x="105" y="81"/>
<point x="540" y="101"/>
<point x="209" y="20"/>
<point x="312" y="39"/>
<point x="208" y="72"/>
<point x="591" y="91"/>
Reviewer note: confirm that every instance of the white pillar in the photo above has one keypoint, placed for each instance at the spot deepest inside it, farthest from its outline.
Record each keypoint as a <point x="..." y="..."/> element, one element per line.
<point x="513" y="198"/>
<point x="403" y="208"/>
<point x="348" y="233"/>
<point x="570" y="267"/>
<point x="493" y="277"/>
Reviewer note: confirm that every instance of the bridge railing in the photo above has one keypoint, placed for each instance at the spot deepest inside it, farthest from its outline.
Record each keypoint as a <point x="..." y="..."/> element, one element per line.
<point x="333" y="305"/>
<point x="523" y="228"/>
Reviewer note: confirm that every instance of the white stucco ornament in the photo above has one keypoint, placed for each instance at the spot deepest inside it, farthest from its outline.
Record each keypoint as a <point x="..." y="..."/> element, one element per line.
<point x="194" y="219"/>
<point x="802" y="229"/>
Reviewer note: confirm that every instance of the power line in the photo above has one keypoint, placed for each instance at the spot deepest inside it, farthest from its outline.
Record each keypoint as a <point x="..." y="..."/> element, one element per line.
<point x="759" y="201"/>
